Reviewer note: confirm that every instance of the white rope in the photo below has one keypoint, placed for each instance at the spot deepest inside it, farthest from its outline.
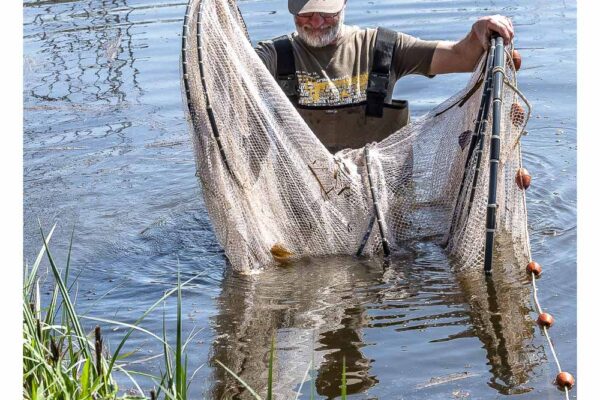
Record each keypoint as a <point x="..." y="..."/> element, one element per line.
<point x="552" y="348"/>
<point x="535" y="298"/>
<point x="539" y="307"/>
<point x="529" y="257"/>
<point x="545" y="330"/>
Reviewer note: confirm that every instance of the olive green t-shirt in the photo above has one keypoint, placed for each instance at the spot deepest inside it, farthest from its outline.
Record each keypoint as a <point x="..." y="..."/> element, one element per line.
<point x="337" y="74"/>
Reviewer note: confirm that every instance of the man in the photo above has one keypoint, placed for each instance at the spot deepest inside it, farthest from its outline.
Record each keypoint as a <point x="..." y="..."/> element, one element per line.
<point x="341" y="78"/>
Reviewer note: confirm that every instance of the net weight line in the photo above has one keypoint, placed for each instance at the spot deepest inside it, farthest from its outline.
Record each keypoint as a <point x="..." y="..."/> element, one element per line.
<point x="536" y="301"/>
<point x="538" y="308"/>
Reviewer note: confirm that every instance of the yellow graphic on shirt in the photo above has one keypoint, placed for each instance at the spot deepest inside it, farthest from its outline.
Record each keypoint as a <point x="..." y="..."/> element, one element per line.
<point x="317" y="91"/>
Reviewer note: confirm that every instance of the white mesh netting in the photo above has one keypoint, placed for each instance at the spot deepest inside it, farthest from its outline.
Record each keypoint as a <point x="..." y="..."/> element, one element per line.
<point x="275" y="193"/>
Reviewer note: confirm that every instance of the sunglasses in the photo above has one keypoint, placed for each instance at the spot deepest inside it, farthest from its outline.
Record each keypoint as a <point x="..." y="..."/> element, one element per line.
<point x="323" y="15"/>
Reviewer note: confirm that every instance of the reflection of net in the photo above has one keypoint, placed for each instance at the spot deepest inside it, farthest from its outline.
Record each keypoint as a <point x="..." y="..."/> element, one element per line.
<point x="271" y="188"/>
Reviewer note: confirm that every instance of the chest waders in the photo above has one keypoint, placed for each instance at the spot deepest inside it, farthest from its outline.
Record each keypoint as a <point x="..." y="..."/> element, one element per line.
<point x="349" y="125"/>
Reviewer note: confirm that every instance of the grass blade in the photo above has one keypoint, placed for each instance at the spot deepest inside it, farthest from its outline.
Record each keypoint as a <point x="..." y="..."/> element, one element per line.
<point x="169" y="371"/>
<point x="67" y="301"/>
<point x="32" y="274"/>
<point x="270" y="378"/>
<point x="313" y="377"/>
<point x="194" y="374"/>
<point x="344" y="389"/>
<point x="240" y="380"/>
<point x="66" y="273"/>
<point x="124" y="324"/>
<point x="303" y="380"/>
<point x="85" y="379"/>
<point x="49" y="320"/>
<point x="180" y="382"/>
<point x="138" y="388"/>
<point x="140" y="319"/>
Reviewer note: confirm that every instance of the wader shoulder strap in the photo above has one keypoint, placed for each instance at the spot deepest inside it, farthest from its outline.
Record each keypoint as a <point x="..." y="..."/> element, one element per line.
<point x="379" y="77"/>
<point x="286" y="67"/>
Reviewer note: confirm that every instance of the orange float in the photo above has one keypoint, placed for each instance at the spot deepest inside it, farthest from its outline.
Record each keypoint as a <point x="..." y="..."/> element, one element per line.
<point x="523" y="179"/>
<point x="516" y="57"/>
<point x="534" y="268"/>
<point x="565" y="380"/>
<point x="546" y="320"/>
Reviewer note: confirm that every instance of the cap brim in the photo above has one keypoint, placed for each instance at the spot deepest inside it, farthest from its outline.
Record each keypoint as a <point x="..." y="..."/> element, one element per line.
<point x="308" y="6"/>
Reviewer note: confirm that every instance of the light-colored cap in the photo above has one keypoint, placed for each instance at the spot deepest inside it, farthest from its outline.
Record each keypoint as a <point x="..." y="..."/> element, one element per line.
<point x="307" y="6"/>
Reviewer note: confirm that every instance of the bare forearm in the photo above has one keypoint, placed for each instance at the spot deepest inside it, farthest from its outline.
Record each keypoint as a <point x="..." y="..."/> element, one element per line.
<point x="459" y="56"/>
<point x="462" y="56"/>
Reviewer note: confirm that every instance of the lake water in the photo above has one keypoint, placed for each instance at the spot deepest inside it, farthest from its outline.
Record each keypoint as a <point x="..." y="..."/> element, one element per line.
<point x="107" y="153"/>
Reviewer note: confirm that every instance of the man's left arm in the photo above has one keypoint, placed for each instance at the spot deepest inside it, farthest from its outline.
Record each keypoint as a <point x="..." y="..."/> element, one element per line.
<point x="462" y="56"/>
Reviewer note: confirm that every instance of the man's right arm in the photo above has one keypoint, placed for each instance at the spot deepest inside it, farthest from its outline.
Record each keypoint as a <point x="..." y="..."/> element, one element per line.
<point x="462" y="56"/>
<point x="413" y="55"/>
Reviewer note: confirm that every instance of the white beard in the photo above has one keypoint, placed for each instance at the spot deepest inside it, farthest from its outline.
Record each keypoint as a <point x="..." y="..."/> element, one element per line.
<point x="321" y="37"/>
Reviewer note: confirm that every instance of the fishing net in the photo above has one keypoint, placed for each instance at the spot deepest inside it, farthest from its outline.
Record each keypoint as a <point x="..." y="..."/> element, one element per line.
<point x="275" y="193"/>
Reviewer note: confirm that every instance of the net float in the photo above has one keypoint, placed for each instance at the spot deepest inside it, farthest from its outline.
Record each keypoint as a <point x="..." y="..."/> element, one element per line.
<point x="546" y="320"/>
<point x="565" y="380"/>
<point x="534" y="268"/>
<point x="516" y="57"/>
<point x="523" y="179"/>
<point x="517" y="114"/>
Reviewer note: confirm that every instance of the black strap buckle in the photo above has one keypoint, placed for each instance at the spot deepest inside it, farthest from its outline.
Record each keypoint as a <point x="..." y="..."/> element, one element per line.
<point x="376" y="92"/>
<point x="378" y="83"/>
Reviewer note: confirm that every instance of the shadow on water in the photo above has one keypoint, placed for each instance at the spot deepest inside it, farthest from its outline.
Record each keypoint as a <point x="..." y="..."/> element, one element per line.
<point x="323" y="310"/>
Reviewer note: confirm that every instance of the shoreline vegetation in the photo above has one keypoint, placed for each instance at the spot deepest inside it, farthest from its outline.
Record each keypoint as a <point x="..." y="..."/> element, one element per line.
<point x="61" y="361"/>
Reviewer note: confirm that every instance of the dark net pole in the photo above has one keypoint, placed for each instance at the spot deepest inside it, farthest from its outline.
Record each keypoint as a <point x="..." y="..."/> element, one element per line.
<point x="481" y="128"/>
<point x="477" y="137"/>
<point x="498" y="80"/>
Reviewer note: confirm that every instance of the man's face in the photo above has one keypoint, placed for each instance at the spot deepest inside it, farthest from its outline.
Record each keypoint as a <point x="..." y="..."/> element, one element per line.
<point x="319" y="30"/>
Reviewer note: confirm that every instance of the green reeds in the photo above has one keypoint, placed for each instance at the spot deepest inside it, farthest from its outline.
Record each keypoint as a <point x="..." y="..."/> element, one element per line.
<point x="61" y="361"/>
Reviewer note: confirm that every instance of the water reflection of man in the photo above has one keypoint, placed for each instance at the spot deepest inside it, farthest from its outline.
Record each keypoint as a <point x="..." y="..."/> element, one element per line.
<point x="320" y="312"/>
<point x="341" y="78"/>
